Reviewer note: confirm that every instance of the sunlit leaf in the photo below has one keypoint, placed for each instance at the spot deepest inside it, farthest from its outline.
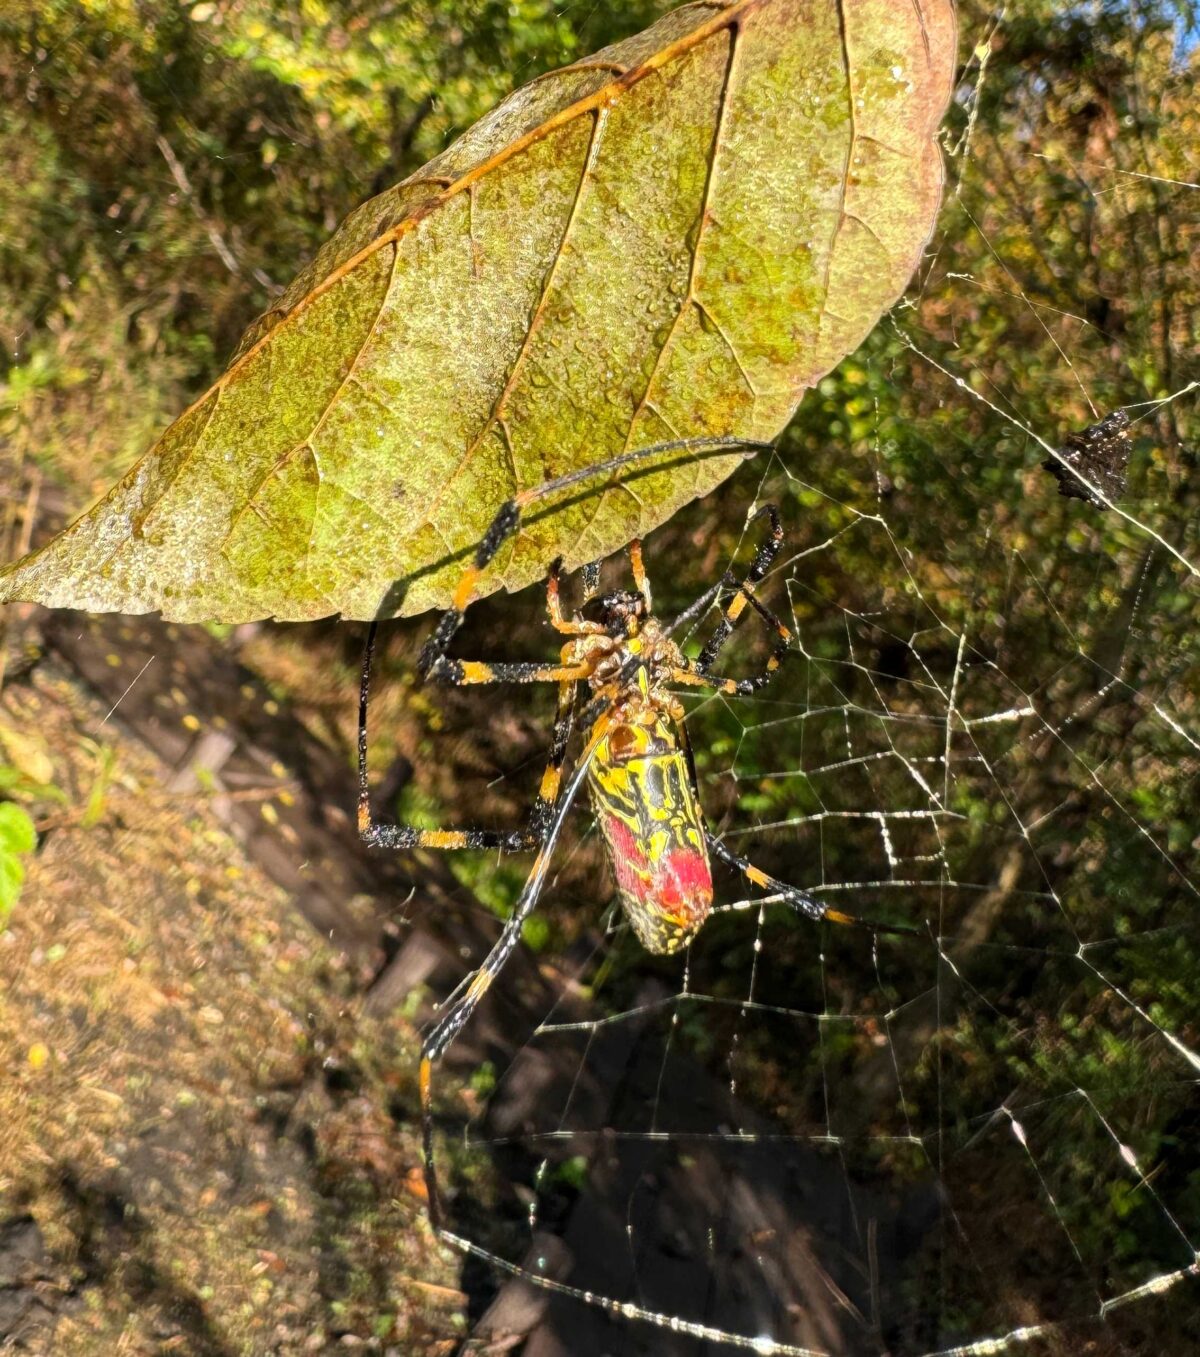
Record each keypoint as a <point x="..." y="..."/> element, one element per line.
<point x="12" y="878"/>
<point x="17" y="834"/>
<point x="675" y="237"/>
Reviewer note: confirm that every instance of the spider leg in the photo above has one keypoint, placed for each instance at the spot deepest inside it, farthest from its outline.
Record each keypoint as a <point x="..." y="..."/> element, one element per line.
<point x="377" y="835"/>
<point x="799" y="900"/>
<point x="744" y="594"/>
<point x="508" y="520"/>
<point x="638" y="568"/>
<point x="443" y="1032"/>
<point x="591" y="580"/>
<point x="435" y="664"/>
<point x="458" y="673"/>
<point x="698" y="607"/>
<point x="567" y="626"/>
<point x="692" y="674"/>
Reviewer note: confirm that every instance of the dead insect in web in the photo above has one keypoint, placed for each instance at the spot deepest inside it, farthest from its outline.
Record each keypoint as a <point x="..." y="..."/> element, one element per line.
<point x="615" y="677"/>
<point x="1096" y="458"/>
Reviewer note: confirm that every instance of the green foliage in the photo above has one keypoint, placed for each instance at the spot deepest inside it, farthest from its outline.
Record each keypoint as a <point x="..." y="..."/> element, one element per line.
<point x="15" y="782"/>
<point x="483" y="1079"/>
<point x="18" y="839"/>
<point x="572" y="1172"/>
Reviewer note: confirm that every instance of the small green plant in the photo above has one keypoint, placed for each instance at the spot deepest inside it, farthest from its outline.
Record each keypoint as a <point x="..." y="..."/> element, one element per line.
<point x="17" y="839"/>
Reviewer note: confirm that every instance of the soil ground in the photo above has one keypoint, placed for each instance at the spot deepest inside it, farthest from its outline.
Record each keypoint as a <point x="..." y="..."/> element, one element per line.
<point x="207" y="1135"/>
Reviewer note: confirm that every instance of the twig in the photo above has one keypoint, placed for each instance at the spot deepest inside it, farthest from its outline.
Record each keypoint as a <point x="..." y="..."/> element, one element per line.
<point x="24" y="540"/>
<point x="219" y="243"/>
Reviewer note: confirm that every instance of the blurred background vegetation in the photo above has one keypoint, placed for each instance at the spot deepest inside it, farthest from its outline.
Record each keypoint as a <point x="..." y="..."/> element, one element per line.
<point x="170" y="168"/>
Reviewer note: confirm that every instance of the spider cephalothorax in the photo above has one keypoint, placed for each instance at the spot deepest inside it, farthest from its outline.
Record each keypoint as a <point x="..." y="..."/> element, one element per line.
<point x="619" y="657"/>
<point x="636" y="758"/>
<point x="619" y="613"/>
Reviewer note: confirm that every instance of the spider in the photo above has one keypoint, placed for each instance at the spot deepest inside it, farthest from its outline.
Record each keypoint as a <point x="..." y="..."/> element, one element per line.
<point x="636" y="758"/>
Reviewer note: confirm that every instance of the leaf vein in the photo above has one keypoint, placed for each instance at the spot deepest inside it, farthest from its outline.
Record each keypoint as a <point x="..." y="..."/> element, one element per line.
<point x="849" y="156"/>
<point x="309" y="442"/>
<point x="496" y="414"/>
<point x="689" y="297"/>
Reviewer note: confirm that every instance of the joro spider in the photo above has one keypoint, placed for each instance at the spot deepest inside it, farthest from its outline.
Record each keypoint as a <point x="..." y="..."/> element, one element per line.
<point x="636" y="756"/>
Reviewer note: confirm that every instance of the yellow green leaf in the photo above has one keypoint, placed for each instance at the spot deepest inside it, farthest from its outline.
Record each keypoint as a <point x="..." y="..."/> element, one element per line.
<point x="17" y="833"/>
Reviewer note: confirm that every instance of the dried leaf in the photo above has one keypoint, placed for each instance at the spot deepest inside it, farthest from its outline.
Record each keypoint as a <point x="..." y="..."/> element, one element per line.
<point x="673" y="238"/>
<point x="1096" y="456"/>
<point x="26" y="750"/>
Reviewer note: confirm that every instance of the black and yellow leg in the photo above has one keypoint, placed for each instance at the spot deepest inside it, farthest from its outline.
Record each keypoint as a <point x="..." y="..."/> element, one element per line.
<point x="696" y="676"/>
<point x="743" y="596"/>
<point x="698" y="607"/>
<point x="591" y="581"/>
<point x="433" y="659"/>
<point x="799" y="900"/>
<point x="721" y="684"/>
<point x="638" y="567"/>
<point x="508" y="520"/>
<point x="459" y="1010"/>
<point x="546" y="801"/>
<point x="458" y="673"/>
<point x="679" y="716"/>
<point x="691" y="673"/>
<point x="568" y="626"/>
<point x="377" y="835"/>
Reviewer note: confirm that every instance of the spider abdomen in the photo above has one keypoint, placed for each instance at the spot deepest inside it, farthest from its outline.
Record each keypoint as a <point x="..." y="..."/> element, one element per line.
<point x="643" y="800"/>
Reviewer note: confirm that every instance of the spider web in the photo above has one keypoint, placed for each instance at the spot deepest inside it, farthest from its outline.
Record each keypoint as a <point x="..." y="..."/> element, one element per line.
<point x="979" y="1139"/>
<point x="808" y="1139"/>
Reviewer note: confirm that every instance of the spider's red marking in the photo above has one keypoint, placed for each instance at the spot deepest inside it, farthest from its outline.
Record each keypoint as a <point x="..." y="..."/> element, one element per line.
<point x="630" y="866"/>
<point x="679" y="884"/>
<point x="687" y="878"/>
